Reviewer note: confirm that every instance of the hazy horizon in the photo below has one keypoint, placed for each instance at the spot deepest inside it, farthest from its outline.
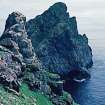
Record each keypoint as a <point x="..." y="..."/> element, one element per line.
<point x="90" y="14"/>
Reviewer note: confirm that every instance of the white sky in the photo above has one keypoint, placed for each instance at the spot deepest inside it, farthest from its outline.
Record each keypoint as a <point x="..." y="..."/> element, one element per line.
<point x="90" y="13"/>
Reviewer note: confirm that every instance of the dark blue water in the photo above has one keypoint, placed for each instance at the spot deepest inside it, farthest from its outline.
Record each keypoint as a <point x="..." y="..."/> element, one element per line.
<point x="92" y="92"/>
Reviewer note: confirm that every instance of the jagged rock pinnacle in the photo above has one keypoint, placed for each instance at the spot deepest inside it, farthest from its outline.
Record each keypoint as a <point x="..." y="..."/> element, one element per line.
<point x="57" y="42"/>
<point x="15" y="39"/>
<point x="15" y="18"/>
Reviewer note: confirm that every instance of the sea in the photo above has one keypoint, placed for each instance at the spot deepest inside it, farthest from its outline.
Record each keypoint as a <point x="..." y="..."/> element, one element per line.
<point x="92" y="91"/>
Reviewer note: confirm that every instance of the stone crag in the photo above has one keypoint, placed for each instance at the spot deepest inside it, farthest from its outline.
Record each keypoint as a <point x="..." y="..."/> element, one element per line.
<point x="42" y="51"/>
<point x="58" y="44"/>
<point x="10" y="69"/>
<point x="19" y="64"/>
<point x="16" y="40"/>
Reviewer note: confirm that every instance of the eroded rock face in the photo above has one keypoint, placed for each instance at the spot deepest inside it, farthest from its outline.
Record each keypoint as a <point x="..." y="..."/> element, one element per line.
<point x="20" y="49"/>
<point x="15" y="18"/>
<point x="10" y="69"/>
<point x="15" y="39"/>
<point x="57" y="42"/>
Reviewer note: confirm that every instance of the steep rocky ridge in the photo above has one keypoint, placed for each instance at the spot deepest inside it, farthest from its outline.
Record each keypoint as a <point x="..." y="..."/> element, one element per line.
<point x="10" y="69"/>
<point x="15" y="39"/>
<point x="19" y="64"/>
<point x="41" y="51"/>
<point x="58" y="44"/>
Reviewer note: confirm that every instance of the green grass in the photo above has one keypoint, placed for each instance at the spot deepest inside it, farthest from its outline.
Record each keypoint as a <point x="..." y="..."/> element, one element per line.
<point x="41" y="99"/>
<point x="52" y="74"/>
<point x="26" y="97"/>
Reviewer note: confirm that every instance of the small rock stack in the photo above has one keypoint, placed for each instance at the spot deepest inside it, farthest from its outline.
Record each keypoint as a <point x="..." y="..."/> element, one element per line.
<point x="16" y="40"/>
<point x="17" y="51"/>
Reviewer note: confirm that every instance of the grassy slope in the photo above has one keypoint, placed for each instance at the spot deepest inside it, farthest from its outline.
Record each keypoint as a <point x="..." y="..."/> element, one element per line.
<point x="26" y="97"/>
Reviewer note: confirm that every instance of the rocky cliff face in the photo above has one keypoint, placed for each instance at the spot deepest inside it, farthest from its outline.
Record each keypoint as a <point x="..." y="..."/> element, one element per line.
<point x="10" y="69"/>
<point x="15" y="39"/>
<point x="58" y="44"/>
<point x="57" y="50"/>
<point x="19" y="64"/>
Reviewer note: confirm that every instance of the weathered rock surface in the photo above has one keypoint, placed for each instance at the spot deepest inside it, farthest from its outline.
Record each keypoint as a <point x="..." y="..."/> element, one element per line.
<point x="15" y="39"/>
<point x="10" y="69"/>
<point x="57" y="50"/>
<point x="20" y="50"/>
<point x="58" y="44"/>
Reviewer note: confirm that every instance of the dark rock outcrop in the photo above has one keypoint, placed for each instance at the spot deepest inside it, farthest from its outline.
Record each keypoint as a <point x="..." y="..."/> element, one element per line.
<point x="18" y="62"/>
<point x="10" y="69"/>
<point x="58" y="44"/>
<point x="21" y="54"/>
<point x="57" y="50"/>
<point x="15" y="39"/>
